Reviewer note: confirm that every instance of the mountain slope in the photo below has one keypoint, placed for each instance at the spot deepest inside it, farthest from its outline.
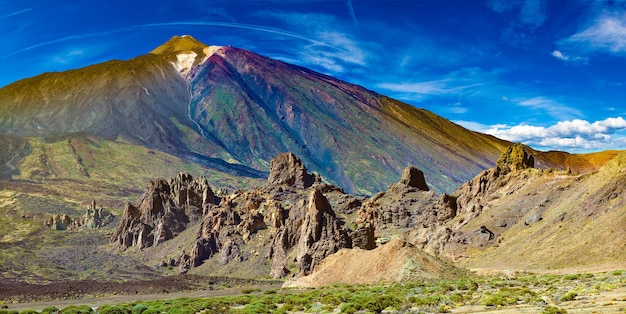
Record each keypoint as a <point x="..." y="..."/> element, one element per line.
<point x="513" y="216"/>
<point x="232" y="110"/>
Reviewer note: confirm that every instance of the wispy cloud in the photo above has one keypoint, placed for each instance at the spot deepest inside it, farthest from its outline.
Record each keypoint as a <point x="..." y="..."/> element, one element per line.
<point x="570" y="135"/>
<point x="332" y="47"/>
<point x="182" y="23"/>
<point x="549" y="106"/>
<point x="422" y="88"/>
<point x="533" y="12"/>
<point x="352" y="14"/>
<point x="15" y="13"/>
<point x="68" y="57"/>
<point x="606" y="34"/>
<point x="464" y="81"/>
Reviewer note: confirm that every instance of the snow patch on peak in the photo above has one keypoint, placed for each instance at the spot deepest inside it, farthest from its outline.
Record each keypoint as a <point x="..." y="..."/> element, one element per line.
<point x="184" y="62"/>
<point x="211" y="50"/>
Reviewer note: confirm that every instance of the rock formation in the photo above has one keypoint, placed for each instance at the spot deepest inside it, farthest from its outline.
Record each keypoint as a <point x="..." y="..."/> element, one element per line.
<point x="59" y="222"/>
<point x="472" y="195"/>
<point x="287" y="169"/>
<point x="292" y="216"/>
<point x="313" y="231"/>
<point x="414" y="177"/>
<point x="163" y="211"/>
<point x="95" y="217"/>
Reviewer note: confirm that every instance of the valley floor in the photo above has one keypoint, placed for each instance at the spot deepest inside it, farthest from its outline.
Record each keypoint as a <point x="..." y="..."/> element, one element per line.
<point x="517" y="293"/>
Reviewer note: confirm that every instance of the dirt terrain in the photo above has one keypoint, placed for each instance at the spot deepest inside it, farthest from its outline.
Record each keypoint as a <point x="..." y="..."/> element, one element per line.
<point x="24" y="295"/>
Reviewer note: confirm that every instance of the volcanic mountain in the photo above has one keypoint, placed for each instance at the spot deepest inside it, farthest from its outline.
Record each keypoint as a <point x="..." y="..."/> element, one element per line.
<point x="103" y="131"/>
<point x="231" y="110"/>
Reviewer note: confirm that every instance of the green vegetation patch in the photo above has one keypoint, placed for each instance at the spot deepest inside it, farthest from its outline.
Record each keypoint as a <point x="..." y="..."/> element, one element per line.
<point x="547" y="292"/>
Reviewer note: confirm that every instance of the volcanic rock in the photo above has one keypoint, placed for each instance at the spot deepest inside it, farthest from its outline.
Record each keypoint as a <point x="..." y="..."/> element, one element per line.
<point x="163" y="211"/>
<point x="414" y="177"/>
<point x="59" y="222"/>
<point x="95" y="217"/>
<point x="472" y="195"/>
<point x="287" y="169"/>
<point x="313" y="230"/>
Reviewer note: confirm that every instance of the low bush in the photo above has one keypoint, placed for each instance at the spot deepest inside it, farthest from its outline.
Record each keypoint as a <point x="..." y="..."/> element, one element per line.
<point x="77" y="309"/>
<point x="569" y="296"/>
<point x="108" y="309"/>
<point x="50" y="310"/>
<point x="139" y="308"/>
<point x="553" y="310"/>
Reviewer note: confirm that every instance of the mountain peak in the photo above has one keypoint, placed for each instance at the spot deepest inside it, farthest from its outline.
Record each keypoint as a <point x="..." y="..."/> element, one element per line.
<point x="184" y="52"/>
<point x="179" y="44"/>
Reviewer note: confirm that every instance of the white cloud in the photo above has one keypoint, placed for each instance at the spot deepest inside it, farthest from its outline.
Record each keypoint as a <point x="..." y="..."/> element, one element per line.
<point x="551" y="107"/>
<point x="607" y="34"/>
<point x="559" y="55"/>
<point x="572" y="135"/>
<point x="568" y="58"/>
<point x="458" y="108"/>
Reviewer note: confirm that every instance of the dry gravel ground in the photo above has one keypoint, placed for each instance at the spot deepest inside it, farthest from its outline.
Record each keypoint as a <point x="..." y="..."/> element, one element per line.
<point x="20" y="296"/>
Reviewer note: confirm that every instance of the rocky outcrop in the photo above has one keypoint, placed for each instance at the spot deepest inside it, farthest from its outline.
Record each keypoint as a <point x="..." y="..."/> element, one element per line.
<point x="290" y="221"/>
<point x="164" y="210"/>
<point x="474" y="194"/>
<point x="414" y="177"/>
<point x="287" y="169"/>
<point x="95" y="217"/>
<point x="405" y="205"/>
<point x="59" y="222"/>
<point x="313" y="231"/>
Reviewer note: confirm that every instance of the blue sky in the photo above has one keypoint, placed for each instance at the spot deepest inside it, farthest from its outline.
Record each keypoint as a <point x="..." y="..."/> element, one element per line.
<point x="550" y="74"/>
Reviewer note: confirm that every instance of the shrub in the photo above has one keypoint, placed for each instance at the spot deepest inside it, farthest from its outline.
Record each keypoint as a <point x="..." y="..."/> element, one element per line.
<point x="77" y="309"/>
<point x="139" y="308"/>
<point x="349" y="308"/>
<point x="429" y="299"/>
<point x="112" y="309"/>
<point x="250" y="290"/>
<point x="502" y="297"/>
<point x="570" y="296"/>
<point x="553" y="310"/>
<point x="181" y="310"/>
<point x="50" y="310"/>
<point x="29" y="312"/>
